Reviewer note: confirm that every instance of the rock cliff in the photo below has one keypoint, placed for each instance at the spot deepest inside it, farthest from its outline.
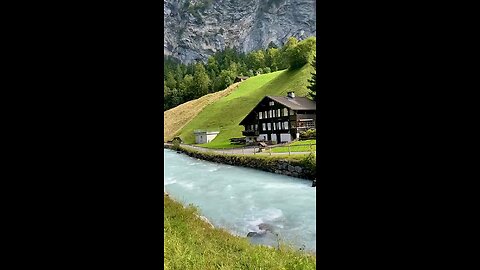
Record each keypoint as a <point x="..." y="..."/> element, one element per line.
<point x="195" y="29"/>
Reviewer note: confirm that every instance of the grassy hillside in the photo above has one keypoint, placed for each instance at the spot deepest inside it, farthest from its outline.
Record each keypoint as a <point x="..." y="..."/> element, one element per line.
<point x="191" y="244"/>
<point x="176" y="118"/>
<point x="227" y="112"/>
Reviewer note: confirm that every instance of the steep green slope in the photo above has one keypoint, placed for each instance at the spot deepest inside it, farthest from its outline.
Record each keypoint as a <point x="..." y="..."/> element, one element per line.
<point x="225" y="114"/>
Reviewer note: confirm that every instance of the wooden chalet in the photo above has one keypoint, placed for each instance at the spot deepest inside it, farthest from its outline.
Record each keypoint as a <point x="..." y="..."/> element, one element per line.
<point x="279" y="119"/>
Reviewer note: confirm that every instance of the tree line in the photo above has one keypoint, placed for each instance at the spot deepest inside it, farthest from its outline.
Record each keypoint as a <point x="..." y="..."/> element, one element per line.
<point x="185" y="82"/>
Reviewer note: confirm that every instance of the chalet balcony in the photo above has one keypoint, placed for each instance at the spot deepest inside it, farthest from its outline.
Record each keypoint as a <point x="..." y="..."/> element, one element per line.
<point x="250" y="133"/>
<point x="306" y="116"/>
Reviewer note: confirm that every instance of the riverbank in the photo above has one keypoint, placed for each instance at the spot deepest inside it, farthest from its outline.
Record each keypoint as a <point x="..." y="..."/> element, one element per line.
<point x="191" y="243"/>
<point x="300" y="166"/>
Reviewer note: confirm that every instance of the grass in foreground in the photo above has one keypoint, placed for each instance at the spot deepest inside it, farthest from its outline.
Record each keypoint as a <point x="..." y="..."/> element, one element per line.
<point x="226" y="113"/>
<point x="191" y="244"/>
<point x="298" y="146"/>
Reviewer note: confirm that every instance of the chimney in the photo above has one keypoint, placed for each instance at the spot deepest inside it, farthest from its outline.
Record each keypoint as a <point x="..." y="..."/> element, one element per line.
<point x="291" y="94"/>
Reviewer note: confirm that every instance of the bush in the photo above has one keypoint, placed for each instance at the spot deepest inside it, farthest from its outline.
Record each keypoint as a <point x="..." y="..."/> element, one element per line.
<point x="310" y="134"/>
<point x="176" y="144"/>
<point x="310" y="163"/>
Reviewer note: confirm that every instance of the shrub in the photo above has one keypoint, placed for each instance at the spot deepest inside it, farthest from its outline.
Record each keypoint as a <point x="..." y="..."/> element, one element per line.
<point x="310" y="134"/>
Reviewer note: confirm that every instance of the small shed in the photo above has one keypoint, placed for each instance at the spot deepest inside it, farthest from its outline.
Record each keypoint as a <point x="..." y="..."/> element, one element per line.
<point x="240" y="79"/>
<point x="203" y="136"/>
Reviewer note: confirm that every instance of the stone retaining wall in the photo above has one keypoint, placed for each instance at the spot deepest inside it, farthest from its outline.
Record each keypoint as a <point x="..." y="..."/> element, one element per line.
<point x="292" y="168"/>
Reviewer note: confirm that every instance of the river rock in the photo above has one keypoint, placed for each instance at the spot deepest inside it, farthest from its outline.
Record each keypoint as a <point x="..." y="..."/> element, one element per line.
<point x="255" y="234"/>
<point x="298" y="169"/>
<point x="291" y="168"/>
<point x="265" y="227"/>
<point x="295" y="174"/>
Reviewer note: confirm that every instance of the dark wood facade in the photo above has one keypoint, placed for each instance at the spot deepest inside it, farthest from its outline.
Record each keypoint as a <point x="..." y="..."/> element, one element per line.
<point x="286" y="118"/>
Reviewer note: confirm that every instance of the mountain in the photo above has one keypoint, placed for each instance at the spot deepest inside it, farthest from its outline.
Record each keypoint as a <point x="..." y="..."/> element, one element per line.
<point x="195" y="29"/>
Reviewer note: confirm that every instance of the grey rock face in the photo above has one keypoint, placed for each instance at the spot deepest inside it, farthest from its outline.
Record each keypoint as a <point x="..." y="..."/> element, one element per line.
<point x="195" y="29"/>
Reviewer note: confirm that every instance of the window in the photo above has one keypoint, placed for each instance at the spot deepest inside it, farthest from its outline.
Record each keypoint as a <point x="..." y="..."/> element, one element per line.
<point x="266" y="116"/>
<point x="278" y="113"/>
<point x="269" y="126"/>
<point x="285" y="125"/>
<point x="256" y="126"/>
<point x="271" y="103"/>
<point x="270" y="113"/>
<point x="273" y="113"/>
<point x="279" y="126"/>
<point x="251" y="127"/>
<point x="274" y="126"/>
<point x="292" y="112"/>
<point x="263" y="126"/>
<point x="260" y="115"/>
<point x="310" y="124"/>
<point x="285" y="112"/>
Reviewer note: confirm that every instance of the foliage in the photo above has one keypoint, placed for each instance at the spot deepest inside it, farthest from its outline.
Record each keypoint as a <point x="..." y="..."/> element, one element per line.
<point x="300" y="53"/>
<point x="310" y="162"/>
<point x="183" y="83"/>
<point x="309" y="134"/>
<point x="176" y="144"/>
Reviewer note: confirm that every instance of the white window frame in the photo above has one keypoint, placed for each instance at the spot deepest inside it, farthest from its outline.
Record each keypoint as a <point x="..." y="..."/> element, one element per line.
<point x="269" y="126"/>
<point x="260" y="114"/>
<point x="266" y="115"/>
<point x="264" y="127"/>
<point x="285" y="125"/>
<point x="270" y="114"/>
<point x="273" y="114"/>
<point x="292" y="112"/>
<point x="285" y="112"/>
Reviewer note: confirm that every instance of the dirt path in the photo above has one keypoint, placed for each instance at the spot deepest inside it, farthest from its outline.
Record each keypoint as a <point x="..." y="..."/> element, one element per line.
<point x="248" y="150"/>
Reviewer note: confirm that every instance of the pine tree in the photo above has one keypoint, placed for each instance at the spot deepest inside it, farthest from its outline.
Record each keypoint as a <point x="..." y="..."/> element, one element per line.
<point x="313" y="81"/>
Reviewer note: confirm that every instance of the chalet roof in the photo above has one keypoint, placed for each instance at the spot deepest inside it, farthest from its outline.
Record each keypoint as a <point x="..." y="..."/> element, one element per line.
<point x="296" y="103"/>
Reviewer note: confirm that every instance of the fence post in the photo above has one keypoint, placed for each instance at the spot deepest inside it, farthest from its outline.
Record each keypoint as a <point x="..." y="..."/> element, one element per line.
<point x="270" y="150"/>
<point x="289" y="150"/>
